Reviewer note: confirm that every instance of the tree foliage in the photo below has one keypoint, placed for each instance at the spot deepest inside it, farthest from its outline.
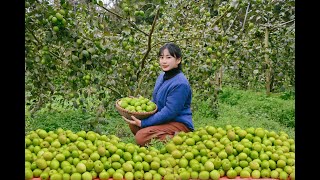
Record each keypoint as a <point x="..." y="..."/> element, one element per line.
<point x="82" y="48"/>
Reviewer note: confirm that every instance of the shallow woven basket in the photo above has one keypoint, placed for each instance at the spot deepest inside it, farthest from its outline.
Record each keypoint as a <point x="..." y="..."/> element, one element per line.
<point x="128" y="114"/>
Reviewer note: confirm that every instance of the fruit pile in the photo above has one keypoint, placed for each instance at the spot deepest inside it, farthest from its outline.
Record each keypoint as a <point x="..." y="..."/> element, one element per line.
<point x="206" y="153"/>
<point x="137" y="104"/>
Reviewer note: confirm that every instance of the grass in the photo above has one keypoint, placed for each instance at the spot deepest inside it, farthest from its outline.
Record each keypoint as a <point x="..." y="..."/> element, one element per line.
<point x="236" y="107"/>
<point x="251" y="109"/>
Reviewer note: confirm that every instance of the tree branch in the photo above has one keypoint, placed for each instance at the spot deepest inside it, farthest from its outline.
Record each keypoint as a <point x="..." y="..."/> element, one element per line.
<point x="114" y="90"/>
<point x="224" y="14"/>
<point x="277" y="26"/>
<point x="175" y="40"/>
<point x="56" y="56"/>
<point x="120" y="17"/>
<point x="41" y="44"/>
<point x="232" y="22"/>
<point x="139" y="83"/>
<point x="149" y="43"/>
<point x="245" y="17"/>
<point x="33" y="35"/>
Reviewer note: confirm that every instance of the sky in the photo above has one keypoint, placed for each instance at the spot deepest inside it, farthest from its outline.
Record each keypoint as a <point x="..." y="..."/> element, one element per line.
<point x="107" y="2"/>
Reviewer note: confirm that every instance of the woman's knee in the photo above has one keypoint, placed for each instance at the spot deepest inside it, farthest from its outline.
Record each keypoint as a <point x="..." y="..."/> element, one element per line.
<point x="144" y="136"/>
<point x="141" y="138"/>
<point x="134" y="129"/>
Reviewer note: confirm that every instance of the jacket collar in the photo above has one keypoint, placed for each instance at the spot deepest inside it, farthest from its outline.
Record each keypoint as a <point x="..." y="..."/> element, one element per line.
<point x="171" y="73"/>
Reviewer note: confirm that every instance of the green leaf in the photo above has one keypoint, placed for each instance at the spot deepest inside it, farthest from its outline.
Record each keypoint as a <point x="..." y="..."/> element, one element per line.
<point x="67" y="53"/>
<point x="100" y="3"/>
<point x="126" y="30"/>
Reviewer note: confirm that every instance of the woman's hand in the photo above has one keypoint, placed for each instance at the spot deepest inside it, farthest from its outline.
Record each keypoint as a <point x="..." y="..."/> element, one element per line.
<point x="134" y="121"/>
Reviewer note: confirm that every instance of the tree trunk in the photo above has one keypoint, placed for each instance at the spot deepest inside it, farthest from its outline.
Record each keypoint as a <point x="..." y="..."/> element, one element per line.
<point x="241" y="76"/>
<point x="220" y="77"/>
<point x="268" y="62"/>
<point x="217" y="84"/>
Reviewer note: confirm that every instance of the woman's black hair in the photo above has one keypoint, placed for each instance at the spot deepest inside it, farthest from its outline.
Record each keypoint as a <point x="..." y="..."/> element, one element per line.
<point x="174" y="50"/>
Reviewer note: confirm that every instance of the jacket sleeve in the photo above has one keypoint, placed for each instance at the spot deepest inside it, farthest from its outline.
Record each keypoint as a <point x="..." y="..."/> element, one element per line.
<point x="173" y="106"/>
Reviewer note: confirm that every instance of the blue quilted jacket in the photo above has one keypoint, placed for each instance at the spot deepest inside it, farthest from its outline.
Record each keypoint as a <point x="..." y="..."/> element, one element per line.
<point x="173" y="99"/>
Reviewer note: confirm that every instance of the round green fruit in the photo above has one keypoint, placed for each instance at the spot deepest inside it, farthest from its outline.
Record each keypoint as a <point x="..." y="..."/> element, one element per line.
<point x="55" y="28"/>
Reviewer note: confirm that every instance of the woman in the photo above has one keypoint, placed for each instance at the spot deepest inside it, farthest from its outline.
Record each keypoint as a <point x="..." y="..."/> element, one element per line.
<point x="172" y="94"/>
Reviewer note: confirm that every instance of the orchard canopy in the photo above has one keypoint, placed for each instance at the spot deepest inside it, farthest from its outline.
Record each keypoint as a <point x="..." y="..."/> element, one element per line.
<point x="75" y="49"/>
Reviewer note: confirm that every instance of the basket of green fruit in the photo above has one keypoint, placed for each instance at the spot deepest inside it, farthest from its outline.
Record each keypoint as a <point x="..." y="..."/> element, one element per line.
<point x="139" y="107"/>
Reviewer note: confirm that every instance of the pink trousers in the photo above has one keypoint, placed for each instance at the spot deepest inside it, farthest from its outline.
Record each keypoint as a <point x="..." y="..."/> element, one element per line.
<point x="143" y="136"/>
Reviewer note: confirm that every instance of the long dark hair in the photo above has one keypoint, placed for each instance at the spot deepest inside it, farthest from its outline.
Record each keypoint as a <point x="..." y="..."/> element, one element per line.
<point x="174" y="50"/>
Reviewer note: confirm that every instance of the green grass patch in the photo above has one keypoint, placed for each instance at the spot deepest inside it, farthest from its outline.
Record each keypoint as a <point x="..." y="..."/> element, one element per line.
<point x="258" y="104"/>
<point x="236" y="107"/>
<point x="73" y="120"/>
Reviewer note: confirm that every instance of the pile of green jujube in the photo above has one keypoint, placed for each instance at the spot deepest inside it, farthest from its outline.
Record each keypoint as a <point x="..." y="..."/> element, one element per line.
<point x="206" y="153"/>
<point x="137" y="104"/>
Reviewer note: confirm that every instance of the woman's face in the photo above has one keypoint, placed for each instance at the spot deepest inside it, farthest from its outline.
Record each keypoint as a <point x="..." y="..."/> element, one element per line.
<point x="168" y="62"/>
